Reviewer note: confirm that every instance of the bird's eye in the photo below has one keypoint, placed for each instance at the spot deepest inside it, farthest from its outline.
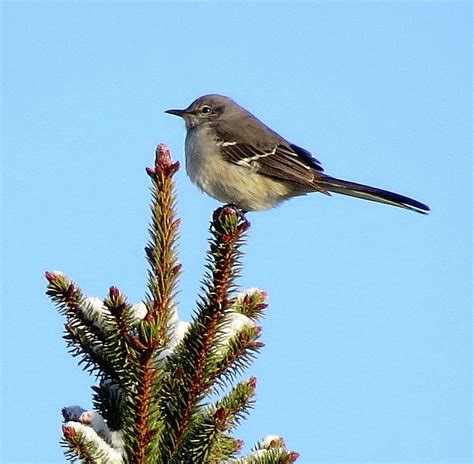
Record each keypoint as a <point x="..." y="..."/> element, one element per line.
<point x="206" y="110"/>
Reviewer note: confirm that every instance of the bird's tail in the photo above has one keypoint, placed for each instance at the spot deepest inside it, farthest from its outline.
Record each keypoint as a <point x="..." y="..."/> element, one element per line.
<point x="353" y="189"/>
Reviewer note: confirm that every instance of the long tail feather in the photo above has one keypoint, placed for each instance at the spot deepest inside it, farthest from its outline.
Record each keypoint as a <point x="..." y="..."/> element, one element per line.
<point x="365" y="192"/>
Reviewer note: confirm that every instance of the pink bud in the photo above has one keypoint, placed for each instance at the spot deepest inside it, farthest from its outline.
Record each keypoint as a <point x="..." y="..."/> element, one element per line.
<point x="162" y="155"/>
<point x="151" y="172"/>
<point x="69" y="432"/>
<point x="163" y="164"/>
<point x="51" y="276"/>
<point x="239" y="444"/>
<point x="114" y="292"/>
<point x="294" y="456"/>
<point x="174" y="167"/>
<point x="252" y="382"/>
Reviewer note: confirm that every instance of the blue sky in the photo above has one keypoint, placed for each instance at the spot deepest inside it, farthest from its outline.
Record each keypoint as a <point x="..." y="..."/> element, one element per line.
<point x="368" y="353"/>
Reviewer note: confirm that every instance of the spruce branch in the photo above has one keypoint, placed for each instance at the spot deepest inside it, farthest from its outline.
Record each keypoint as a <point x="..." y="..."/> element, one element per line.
<point x="154" y="329"/>
<point x="240" y="350"/>
<point x="161" y="249"/>
<point x="194" y="362"/>
<point x="207" y="440"/>
<point x="85" y="332"/>
<point x="251" y="303"/>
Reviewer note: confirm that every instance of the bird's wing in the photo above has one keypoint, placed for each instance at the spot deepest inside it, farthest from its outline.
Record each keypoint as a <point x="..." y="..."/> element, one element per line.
<point x="282" y="161"/>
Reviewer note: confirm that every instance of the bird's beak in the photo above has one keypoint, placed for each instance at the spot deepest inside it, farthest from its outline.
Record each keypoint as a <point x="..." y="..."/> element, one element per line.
<point x="179" y="113"/>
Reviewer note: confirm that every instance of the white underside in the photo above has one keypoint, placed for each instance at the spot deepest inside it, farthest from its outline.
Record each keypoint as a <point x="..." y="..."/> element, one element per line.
<point x="229" y="182"/>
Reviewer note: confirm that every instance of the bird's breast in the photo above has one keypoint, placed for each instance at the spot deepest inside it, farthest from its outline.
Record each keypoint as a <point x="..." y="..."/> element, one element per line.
<point x="198" y="156"/>
<point x="226" y="181"/>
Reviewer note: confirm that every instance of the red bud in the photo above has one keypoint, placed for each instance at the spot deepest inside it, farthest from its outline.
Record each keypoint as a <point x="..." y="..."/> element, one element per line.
<point x="151" y="172"/>
<point x="294" y="456"/>
<point x="51" y="276"/>
<point x="163" y="164"/>
<point x="162" y="155"/>
<point x="252" y="382"/>
<point x="114" y="292"/>
<point x="239" y="444"/>
<point x="69" y="432"/>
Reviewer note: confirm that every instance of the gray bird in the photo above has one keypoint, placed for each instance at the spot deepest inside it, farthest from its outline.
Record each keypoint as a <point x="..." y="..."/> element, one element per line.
<point x="232" y="156"/>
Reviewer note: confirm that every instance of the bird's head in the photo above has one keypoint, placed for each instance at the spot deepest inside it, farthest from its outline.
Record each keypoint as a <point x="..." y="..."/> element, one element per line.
<point x="207" y="108"/>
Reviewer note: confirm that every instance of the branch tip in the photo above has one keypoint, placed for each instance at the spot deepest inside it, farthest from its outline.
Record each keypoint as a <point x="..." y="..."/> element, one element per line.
<point x="226" y="211"/>
<point x="252" y="382"/>
<point x="163" y="164"/>
<point x="239" y="444"/>
<point x="69" y="432"/>
<point x="114" y="293"/>
<point x="151" y="172"/>
<point x="294" y="456"/>
<point x="50" y="276"/>
<point x="229" y="221"/>
<point x="162" y="154"/>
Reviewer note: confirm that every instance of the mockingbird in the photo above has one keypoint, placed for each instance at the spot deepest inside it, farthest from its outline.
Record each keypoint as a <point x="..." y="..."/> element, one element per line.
<point x="232" y="156"/>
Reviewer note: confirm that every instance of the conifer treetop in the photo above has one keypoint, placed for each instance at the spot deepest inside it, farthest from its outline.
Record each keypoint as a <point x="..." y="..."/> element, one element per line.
<point x="168" y="391"/>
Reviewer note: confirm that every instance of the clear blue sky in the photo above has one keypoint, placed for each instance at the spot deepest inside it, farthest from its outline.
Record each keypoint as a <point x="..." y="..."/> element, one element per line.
<point x="368" y="353"/>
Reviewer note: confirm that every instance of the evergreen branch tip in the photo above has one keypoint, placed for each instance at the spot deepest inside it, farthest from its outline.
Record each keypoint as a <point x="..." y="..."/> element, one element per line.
<point x="229" y="218"/>
<point x="163" y="164"/>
